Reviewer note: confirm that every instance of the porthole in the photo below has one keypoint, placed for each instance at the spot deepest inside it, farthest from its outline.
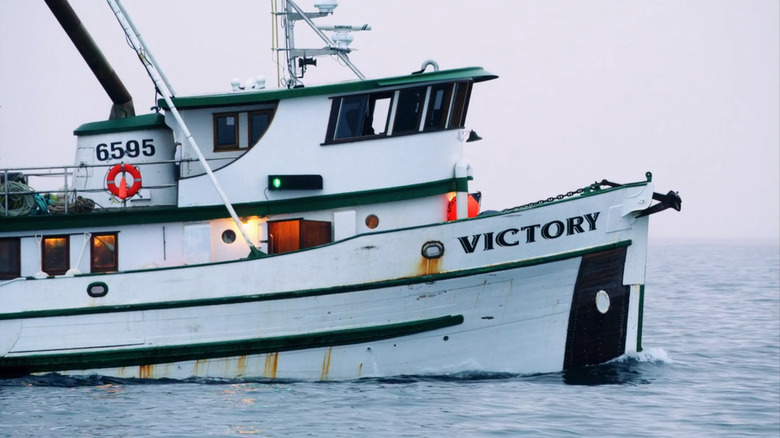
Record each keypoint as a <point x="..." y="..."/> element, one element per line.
<point x="228" y="236"/>
<point x="602" y="301"/>
<point x="97" y="289"/>
<point x="372" y="221"/>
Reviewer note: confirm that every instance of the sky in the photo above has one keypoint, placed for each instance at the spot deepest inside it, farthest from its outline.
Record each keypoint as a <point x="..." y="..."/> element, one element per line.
<point x="603" y="89"/>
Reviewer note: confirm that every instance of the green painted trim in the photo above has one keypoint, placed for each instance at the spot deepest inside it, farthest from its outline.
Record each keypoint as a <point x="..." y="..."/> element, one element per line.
<point x="462" y="185"/>
<point x="177" y="353"/>
<point x="304" y="293"/>
<point x="640" y="317"/>
<point x="150" y="215"/>
<point x="147" y="121"/>
<point x="477" y="74"/>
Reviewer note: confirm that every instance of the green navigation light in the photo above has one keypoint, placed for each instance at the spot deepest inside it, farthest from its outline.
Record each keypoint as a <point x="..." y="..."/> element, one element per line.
<point x="295" y="182"/>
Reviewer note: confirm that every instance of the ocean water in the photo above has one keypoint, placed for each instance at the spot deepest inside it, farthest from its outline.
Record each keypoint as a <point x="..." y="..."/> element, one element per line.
<point x="710" y="368"/>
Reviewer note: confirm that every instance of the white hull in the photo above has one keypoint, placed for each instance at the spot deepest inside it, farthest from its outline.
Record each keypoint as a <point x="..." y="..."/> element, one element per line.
<point x="375" y="308"/>
<point x="313" y="232"/>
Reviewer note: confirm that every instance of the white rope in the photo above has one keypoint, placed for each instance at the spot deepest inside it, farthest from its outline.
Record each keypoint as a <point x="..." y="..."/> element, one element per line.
<point x="21" y="199"/>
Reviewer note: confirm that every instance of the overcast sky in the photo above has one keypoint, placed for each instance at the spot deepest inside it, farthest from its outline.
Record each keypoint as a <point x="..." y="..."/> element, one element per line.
<point x="587" y="90"/>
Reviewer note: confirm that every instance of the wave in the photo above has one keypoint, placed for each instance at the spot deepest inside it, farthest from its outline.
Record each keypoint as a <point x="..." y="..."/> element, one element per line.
<point x="655" y="355"/>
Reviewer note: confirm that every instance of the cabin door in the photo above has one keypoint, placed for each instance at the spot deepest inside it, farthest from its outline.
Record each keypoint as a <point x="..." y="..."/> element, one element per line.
<point x="295" y="234"/>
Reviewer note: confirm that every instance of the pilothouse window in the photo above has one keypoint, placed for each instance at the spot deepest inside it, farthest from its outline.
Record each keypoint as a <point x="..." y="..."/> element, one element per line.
<point x="438" y="105"/>
<point x="351" y="117"/>
<point x="460" y="104"/>
<point x="408" y="110"/>
<point x="407" y="114"/>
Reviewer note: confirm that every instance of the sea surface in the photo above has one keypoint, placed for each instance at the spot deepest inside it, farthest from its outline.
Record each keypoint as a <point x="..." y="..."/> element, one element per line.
<point x="710" y="368"/>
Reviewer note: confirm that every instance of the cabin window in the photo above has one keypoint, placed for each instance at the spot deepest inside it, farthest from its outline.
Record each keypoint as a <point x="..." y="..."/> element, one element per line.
<point x="358" y="116"/>
<point x="379" y="113"/>
<point x="104" y="254"/>
<point x="351" y="117"/>
<point x="460" y="104"/>
<point x="438" y="107"/>
<point x="259" y="121"/>
<point x="408" y="110"/>
<point x="225" y="131"/>
<point x="405" y="111"/>
<point x="10" y="258"/>
<point x="55" y="252"/>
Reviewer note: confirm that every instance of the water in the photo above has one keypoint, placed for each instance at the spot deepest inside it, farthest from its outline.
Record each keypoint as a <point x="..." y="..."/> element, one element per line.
<point x="711" y="367"/>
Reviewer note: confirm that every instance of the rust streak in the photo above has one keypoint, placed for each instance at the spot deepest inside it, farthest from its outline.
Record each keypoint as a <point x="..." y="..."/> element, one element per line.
<point x="241" y="366"/>
<point x="198" y="364"/>
<point x="326" y="364"/>
<point x="428" y="266"/>
<point x="146" y="372"/>
<point x="271" y="365"/>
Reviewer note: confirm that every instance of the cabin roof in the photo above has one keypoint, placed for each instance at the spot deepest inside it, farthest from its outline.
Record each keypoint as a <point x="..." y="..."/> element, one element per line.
<point x="477" y="74"/>
<point x="151" y="121"/>
<point x="146" y="121"/>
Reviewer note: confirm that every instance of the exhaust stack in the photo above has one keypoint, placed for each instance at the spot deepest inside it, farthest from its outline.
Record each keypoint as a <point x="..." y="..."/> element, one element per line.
<point x="70" y="22"/>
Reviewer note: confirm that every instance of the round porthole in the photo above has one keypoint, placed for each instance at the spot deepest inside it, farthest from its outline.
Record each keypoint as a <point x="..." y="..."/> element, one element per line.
<point x="432" y="250"/>
<point x="228" y="236"/>
<point x="602" y="301"/>
<point x="372" y="221"/>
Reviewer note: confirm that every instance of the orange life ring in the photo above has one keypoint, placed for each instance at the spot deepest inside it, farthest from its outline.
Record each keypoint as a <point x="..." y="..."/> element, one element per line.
<point x="122" y="191"/>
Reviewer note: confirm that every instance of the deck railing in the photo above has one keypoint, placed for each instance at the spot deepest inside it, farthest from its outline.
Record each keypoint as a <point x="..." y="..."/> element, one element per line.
<point x="19" y="198"/>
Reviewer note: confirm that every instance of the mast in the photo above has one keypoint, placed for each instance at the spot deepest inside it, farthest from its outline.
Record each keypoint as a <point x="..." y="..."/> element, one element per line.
<point x="299" y="59"/>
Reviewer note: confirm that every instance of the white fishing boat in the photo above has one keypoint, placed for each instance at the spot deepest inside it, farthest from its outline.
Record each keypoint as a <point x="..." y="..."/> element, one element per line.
<point x="306" y="232"/>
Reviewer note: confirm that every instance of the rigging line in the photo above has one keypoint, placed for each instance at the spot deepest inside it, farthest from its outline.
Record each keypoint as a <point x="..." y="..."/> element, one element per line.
<point x="167" y="94"/>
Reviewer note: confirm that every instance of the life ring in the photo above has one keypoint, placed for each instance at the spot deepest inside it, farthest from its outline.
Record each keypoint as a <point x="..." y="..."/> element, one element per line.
<point x="122" y="191"/>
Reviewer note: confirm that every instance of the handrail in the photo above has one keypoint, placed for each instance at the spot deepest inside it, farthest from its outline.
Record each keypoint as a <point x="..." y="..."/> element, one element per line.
<point x="67" y="172"/>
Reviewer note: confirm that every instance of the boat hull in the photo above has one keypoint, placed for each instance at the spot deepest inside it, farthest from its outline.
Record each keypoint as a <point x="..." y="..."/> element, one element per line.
<point x="531" y="291"/>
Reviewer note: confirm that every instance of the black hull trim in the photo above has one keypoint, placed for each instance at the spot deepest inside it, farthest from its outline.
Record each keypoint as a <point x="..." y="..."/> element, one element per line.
<point x="598" y="334"/>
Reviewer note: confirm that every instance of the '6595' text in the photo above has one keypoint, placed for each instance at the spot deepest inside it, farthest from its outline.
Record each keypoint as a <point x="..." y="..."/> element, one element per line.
<point x="119" y="150"/>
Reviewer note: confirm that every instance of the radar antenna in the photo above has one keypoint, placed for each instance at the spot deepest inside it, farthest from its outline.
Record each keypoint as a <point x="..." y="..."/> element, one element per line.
<point x="299" y="59"/>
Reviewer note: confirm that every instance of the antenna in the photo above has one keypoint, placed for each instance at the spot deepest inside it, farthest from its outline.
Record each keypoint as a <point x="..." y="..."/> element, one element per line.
<point x="299" y="59"/>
